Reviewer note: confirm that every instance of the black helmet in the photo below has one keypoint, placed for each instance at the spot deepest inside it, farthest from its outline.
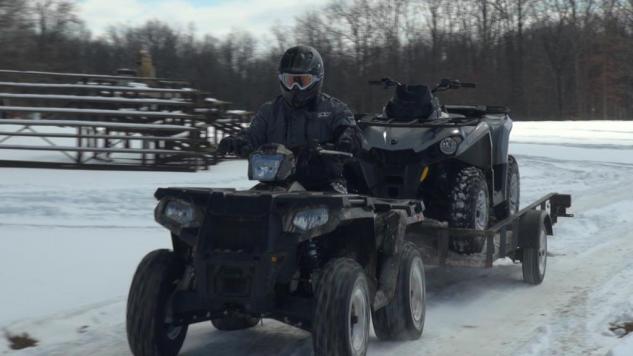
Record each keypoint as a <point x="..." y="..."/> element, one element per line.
<point x="301" y="75"/>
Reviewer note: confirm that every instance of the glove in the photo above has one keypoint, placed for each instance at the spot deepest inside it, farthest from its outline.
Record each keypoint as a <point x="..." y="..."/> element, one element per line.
<point x="348" y="139"/>
<point x="232" y="144"/>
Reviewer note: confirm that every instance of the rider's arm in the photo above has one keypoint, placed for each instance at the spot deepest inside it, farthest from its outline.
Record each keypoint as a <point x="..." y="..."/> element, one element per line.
<point x="255" y="134"/>
<point x="346" y="134"/>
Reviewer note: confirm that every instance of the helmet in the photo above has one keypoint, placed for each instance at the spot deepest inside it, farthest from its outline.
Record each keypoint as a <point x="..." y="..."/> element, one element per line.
<point x="301" y="75"/>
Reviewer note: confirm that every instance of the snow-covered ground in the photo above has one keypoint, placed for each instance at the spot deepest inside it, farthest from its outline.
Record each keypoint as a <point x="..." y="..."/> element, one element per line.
<point x="71" y="241"/>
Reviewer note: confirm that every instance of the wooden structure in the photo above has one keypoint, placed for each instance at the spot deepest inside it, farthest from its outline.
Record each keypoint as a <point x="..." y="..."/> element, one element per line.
<point x="109" y="122"/>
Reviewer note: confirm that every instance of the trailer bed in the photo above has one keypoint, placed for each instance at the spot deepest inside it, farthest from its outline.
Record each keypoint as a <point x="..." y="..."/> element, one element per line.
<point x="502" y="239"/>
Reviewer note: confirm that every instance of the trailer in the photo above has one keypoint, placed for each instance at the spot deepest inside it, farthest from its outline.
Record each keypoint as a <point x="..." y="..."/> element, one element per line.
<point x="521" y="237"/>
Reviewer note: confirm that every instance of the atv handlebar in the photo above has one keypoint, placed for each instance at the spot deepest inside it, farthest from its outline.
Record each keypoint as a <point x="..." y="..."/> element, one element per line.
<point x="444" y="84"/>
<point x="385" y="82"/>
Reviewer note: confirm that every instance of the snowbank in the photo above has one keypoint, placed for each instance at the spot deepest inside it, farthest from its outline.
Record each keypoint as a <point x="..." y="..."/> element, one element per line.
<point x="72" y="239"/>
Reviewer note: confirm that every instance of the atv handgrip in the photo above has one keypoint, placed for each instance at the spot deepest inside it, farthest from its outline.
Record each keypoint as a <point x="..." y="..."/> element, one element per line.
<point x="468" y="85"/>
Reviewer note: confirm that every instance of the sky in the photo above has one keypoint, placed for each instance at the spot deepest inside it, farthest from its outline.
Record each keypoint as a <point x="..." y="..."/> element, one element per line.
<point x="215" y="17"/>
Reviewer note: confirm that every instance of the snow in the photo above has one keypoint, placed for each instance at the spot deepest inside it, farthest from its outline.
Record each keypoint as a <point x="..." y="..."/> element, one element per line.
<point x="138" y="85"/>
<point x="72" y="239"/>
<point x="623" y="349"/>
<point x="238" y="112"/>
<point x="216" y="101"/>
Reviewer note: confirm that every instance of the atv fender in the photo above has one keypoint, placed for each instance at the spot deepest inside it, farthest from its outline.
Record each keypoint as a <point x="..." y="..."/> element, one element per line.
<point x="392" y="231"/>
<point x="476" y="150"/>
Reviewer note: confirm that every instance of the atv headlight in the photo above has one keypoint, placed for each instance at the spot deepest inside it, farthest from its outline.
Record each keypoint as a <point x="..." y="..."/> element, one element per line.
<point x="448" y="145"/>
<point x="309" y="219"/>
<point x="178" y="214"/>
<point x="264" y="167"/>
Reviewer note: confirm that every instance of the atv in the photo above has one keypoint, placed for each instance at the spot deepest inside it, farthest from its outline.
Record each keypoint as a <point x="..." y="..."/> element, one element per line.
<point x="454" y="158"/>
<point x="323" y="261"/>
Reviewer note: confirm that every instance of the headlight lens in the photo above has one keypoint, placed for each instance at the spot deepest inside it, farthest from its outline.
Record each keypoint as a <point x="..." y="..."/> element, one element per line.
<point x="181" y="212"/>
<point x="309" y="219"/>
<point x="448" y="145"/>
<point x="264" y="168"/>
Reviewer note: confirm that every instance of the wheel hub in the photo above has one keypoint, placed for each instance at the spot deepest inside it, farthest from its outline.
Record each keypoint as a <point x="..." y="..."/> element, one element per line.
<point x="358" y="321"/>
<point x="416" y="292"/>
<point x="481" y="212"/>
<point x="542" y="252"/>
<point x="173" y="331"/>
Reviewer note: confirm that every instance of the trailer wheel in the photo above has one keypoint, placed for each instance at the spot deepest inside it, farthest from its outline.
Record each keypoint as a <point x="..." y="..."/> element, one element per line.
<point x="403" y="318"/>
<point x="150" y="330"/>
<point x="342" y="314"/>
<point x="469" y="208"/>
<point x="233" y="322"/>
<point x="534" y="235"/>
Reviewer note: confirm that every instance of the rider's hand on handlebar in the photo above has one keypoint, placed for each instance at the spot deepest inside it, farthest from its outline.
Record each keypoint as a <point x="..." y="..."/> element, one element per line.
<point x="233" y="144"/>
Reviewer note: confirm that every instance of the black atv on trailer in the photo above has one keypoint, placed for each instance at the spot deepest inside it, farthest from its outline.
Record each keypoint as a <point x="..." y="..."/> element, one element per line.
<point x="322" y="261"/>
<point x="454" y="158"/>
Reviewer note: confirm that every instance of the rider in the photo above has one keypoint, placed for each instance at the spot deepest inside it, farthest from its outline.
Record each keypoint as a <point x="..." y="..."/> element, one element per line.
<point x="301" y="116"/>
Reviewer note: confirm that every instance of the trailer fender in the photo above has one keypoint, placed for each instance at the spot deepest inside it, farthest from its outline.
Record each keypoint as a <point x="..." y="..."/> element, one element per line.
<point x="392" y="228"/>
<point x="387" y="281"/>
<point x="530" y="225"/>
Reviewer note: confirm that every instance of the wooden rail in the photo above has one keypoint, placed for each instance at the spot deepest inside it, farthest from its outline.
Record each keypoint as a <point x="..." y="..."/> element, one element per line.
<point x="91" y="76"/>
<point x="119" y="88"/>
<point x="113" y="125"/>
<point x="95" y="99"/>
<point x="95" y="112"/>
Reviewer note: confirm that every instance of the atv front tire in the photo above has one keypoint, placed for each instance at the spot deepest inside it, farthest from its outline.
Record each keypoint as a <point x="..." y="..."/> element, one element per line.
<point x="469" y="208"/>
<point x="403" y="317"/>
<point x="343" y="310"/>
<point x="150" y="330"/>
<point x="234" y="322"/>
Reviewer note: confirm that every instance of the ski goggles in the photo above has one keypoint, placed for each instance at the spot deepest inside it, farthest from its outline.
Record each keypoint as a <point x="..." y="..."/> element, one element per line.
<point x="301" y="81"/>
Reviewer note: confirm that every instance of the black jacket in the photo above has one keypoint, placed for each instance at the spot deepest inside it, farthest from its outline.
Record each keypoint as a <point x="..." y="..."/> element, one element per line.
<point x="326" y="120"/>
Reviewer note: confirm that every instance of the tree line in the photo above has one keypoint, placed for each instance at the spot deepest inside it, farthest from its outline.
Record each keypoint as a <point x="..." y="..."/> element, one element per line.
<point x="545" y="59"/>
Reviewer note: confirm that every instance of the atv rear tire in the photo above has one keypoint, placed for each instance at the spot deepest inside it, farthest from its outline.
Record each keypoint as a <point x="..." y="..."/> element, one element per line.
<point x="469" y="208"/>
<point x="403" y="318"/>
<point x="149" y="329"/>
<point x="343" y="310"/>
<point x="234" y="322"/>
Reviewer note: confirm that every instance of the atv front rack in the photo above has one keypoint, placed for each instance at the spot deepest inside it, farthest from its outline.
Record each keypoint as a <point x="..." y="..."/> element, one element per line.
<point x="502" y="239"/>
<point x="437" y="123"/>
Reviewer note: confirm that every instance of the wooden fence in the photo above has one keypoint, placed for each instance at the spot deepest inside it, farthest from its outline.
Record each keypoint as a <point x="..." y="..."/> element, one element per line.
<point x="109" y="122"/>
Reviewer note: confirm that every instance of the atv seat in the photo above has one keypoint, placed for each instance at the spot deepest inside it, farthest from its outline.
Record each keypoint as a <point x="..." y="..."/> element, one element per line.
<point x="411" y="102"/>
